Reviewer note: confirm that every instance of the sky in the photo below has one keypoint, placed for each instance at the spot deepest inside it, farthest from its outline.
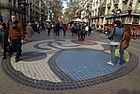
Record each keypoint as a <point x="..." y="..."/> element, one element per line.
<point x="65" y="4"/>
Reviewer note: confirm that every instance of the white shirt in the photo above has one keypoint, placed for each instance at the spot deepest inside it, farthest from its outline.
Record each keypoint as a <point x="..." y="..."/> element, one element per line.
<point x="86" y="28"/>
<point x="114" y="43"/>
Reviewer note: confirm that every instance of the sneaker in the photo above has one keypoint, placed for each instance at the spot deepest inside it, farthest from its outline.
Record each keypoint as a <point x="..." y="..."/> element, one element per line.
<point x="110" y="63"/>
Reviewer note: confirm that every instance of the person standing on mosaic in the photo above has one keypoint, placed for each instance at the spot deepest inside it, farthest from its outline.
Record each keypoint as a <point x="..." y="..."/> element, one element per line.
<point x="65" y="28"/>
<point x="16" y="37"/>
<point x="49" y="28"/>
<point x="124" y="43"/>
<point x="57" y="28"/>
<point x="4" y="38"/>
<point x="115" y="37"/>
<point x="29" y="32"/>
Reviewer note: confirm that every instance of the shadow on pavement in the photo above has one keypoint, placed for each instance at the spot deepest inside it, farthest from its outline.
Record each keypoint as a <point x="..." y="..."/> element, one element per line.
<point x="33" y="56"/>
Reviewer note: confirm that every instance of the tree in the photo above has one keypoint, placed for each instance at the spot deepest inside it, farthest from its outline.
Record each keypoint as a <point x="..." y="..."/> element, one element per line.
<point x="56" y="10"/>
<point x="69" y="12"/>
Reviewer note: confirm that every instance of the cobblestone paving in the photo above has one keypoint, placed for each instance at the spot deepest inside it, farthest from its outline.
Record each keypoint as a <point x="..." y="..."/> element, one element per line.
<point x="41" y="67"/>
<point x="34" y="62"/>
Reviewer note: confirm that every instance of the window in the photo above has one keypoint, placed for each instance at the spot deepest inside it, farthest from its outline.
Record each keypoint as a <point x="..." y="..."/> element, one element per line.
<point x="136" y="20"/>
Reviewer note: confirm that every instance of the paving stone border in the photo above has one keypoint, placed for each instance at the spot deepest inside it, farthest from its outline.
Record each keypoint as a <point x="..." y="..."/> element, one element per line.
<point x="67" y="82"/>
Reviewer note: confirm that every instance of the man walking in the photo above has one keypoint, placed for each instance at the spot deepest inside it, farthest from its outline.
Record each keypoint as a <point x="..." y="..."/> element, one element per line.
<point x="16" y="37"/>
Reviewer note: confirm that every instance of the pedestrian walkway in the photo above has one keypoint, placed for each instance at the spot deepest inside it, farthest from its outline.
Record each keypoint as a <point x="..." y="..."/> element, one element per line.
<point x="65" y="64"/>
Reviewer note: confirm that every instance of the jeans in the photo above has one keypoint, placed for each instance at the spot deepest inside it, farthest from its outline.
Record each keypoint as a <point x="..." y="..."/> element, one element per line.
<point x="112" y="50"/>
<point x="122" y="49"/>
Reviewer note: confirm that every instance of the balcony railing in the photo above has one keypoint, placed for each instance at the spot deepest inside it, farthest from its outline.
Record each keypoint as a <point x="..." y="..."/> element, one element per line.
<point x="125" y="13"/>
<point x="109" y="4"/>
<point x="134" y="12"/>
<point x="125" y="1"/>
<point x="116" y="2"/>
<point x="10" y="7"/>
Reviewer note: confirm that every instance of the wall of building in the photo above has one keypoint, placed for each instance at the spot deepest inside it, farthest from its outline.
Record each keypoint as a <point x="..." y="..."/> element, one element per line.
<point x="32" y="11"/>
<point x="99" y="17"/>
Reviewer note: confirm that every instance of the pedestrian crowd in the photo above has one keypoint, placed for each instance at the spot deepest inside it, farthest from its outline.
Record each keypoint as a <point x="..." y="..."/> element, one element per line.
<point x="14" y="34"/>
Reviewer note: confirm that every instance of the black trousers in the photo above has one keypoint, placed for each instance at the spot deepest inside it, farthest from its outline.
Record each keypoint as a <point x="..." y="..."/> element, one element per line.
<point x="16" y="47"/>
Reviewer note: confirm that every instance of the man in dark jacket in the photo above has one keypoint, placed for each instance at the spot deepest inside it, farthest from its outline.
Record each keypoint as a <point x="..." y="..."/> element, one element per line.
<point x="16" y="37"/>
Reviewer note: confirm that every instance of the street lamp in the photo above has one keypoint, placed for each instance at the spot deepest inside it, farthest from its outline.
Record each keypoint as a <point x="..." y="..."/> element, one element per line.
<point x="23" y="6"/>
<point x="116" y="12"/>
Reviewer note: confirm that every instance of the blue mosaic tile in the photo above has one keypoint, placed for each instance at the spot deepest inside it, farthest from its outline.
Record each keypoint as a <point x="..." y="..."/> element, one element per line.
<point x="82" y="75"/>
<point x="81" y="68"/>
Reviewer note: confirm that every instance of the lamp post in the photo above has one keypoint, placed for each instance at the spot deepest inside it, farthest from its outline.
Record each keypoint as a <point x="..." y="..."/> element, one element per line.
<point x="115" y="12"/>
<point x="23" y="6"/>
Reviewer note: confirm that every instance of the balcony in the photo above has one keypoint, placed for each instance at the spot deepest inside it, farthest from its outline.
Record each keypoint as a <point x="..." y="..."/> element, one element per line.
<point x="108" y="15"/>
<point x="10" y="7"/>
<point x="109" y="5"/>
<point x="134" y="12"/>
<point x="116" y="2"/>
<point x="125" y="1"/>
<point x="124" y="13"/>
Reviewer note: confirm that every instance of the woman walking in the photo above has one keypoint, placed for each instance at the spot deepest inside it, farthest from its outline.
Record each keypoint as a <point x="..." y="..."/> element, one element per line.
<point x="29" y="32"/>
<point x="124" y="43"/>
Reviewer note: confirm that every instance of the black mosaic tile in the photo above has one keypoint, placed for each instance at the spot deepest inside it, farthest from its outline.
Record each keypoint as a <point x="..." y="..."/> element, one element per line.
<point x="38" y="47"/>
<point x="67" y="82"/>
<point x="33" y="56"/>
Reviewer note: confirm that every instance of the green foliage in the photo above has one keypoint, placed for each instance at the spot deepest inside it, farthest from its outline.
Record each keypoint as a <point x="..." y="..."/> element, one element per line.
<point x="72" y="7"/>
<point x="56" y="6"/>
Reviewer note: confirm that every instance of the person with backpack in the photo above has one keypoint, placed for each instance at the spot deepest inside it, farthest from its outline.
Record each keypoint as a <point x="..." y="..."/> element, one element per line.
<point x="124" y="43"/>
<point x="115" y="37"/>
<point x="49" y="28"/>
<point x="16" y="37"/>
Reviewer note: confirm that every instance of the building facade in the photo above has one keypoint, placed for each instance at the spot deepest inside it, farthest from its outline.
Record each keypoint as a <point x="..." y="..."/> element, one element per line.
<point x="104" y="12"/>
<point x="11" y="7"/>
<point x="24" y="10"/>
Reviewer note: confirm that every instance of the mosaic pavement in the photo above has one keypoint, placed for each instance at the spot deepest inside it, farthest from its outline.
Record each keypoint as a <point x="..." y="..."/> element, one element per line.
<point x="66" y="64"/>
